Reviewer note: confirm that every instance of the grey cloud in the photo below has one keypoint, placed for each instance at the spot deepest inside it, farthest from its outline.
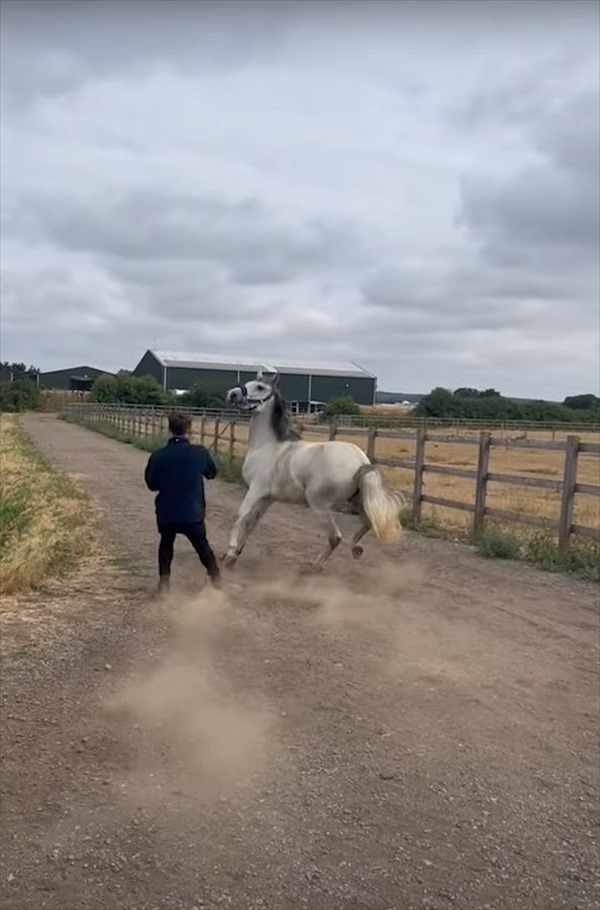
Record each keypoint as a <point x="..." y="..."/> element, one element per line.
<point x="66" y="43"/>
<point x="245" y="237"/>
<point x="305" y="243"/>
<point x="545" y="210"/>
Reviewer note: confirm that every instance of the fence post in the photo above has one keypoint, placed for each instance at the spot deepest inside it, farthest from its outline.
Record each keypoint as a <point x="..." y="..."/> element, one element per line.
<point x="483" y="465"/>
<point x="371" y="437"/>
<point x="231" y="440"/>
<point x="332" y="430"/>
<point x="202" y="429"/>
<point x="418" y="483"/>
<point x="567" y="500"/>
<point x="217" y="431"/>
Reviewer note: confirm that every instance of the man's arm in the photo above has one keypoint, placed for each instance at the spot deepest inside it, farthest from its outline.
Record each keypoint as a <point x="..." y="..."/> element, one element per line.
<point x="209" y="468"/>
<point x="151" y="474"/>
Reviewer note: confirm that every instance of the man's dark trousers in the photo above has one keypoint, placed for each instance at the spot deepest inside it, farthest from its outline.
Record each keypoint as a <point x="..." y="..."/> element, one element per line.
<point x="196" y="534"/>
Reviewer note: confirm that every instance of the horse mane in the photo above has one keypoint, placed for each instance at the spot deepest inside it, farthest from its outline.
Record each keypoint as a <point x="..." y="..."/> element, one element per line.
<point x="280" y="420"/>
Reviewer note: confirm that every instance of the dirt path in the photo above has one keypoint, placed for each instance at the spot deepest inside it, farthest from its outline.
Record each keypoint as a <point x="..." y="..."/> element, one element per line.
<point x="416" y="731"/>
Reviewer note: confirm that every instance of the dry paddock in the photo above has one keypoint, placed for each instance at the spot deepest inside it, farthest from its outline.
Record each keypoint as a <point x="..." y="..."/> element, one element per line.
<point x="418" y="730"/>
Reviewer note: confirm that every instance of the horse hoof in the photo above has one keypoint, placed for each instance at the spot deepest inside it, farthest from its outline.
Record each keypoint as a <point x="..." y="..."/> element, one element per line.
<point x="357" y="551"/>
<point x="311" y="569"/>
<point x="229" y="561"/>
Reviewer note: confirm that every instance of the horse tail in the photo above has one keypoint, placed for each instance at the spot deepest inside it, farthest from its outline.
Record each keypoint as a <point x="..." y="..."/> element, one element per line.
<point x="381" y="506"/>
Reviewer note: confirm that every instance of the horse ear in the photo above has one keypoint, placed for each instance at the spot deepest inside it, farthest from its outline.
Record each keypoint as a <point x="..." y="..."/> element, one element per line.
<point x="270" y="376"/>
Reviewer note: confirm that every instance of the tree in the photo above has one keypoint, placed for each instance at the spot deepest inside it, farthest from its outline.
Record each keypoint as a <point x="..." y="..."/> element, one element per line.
<point x="467" y="393"/>
<point x="15" y="371"/>
<point x="588" y="402"/>
<point x="439" y="403"/>
<point x="20" y="395"/>
<point x="476" y="393"/>
<point x="127" y="389"/>
<point x="343" y="405"/>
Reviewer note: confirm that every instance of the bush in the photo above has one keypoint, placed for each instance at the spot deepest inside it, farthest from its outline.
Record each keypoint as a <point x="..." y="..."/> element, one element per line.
<point x="587" y="402"/>
<point x="494" y="543"/>
<point x="200" y="396"/>
<point x="20" y="395"/>
<point x="127" y="389"/>
<point x="344" y="405"/>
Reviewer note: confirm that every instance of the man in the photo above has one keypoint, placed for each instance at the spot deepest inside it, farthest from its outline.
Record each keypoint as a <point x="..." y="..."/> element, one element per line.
<point x="176" y="472"/>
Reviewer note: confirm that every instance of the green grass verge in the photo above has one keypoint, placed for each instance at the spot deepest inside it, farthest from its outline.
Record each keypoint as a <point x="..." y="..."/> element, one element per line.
<point x="495" y="542"/>
<point x="511" y="542"/>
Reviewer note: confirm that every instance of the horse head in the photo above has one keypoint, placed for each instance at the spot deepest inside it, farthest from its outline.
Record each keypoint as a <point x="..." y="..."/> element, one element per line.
<point x="254" y="394"/>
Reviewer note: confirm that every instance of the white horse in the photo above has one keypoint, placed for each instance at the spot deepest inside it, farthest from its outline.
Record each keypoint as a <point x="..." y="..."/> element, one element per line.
<point x="281" y="467"/>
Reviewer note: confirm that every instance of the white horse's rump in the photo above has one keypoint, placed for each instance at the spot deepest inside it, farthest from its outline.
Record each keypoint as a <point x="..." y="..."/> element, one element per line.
<point x="281" y="467"/>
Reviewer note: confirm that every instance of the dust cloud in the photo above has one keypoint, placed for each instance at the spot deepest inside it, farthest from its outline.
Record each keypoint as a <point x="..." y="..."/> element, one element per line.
<point x="208" y="717"/>
<point x="367" y="599"/>
<point x="194" y="726"/>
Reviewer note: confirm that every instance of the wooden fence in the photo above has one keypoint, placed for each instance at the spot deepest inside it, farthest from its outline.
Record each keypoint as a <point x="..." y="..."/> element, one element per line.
<point x="217" y="431"/>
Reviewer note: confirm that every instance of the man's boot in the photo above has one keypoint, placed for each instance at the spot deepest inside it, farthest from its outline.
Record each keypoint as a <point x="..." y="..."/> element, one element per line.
<point x="164" y="584"/>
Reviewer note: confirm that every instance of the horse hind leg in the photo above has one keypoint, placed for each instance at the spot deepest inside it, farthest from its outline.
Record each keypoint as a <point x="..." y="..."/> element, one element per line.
<point x="355" y="547"/>
<point x="334" y="535"/>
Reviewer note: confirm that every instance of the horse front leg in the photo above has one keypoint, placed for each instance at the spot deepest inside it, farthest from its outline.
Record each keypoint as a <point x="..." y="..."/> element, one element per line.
<point x="252" y="509"/>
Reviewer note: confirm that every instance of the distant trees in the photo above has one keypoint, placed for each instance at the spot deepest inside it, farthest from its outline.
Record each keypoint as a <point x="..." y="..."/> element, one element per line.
<point x="14" y="371"/>
<point x="123" y="388"/>
<point x="490" y="405"/>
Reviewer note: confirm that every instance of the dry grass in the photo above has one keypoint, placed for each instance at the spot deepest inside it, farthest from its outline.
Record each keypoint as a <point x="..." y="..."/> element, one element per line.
<point x="46" y="521"/>
<point x="57" y="399"/>
<point x="517" y="461"/>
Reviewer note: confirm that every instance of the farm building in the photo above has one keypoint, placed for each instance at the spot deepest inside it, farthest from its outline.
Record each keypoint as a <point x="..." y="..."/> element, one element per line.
<point x="78" y="379"/>
<point x="300" y="383"/>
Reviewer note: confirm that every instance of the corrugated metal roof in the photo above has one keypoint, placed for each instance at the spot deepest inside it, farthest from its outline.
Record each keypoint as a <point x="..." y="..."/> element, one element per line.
<point x="219" y="362"/>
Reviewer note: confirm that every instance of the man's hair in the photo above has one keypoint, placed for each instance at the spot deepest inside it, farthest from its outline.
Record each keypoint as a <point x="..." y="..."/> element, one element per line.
<point x="179" y="424"/>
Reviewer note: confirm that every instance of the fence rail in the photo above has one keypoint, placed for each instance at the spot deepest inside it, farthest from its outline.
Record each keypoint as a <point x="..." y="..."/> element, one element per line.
<point x="393" y="423"/>
<point x="217" y="430"/>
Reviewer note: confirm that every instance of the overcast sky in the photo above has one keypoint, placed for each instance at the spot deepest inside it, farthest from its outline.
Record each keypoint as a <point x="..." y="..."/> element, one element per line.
<point x="411" y="187"/>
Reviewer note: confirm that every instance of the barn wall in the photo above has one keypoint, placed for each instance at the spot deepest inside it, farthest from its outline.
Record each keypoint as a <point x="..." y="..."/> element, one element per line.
<point x="215" y="380"/>
<point x="61" y="379"/>
<point x="294" y="388"/>
<point x="326" y="387"/>
<point x="149" y="366"/>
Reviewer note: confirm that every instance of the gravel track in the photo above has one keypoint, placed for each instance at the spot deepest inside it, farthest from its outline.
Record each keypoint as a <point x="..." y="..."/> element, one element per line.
<point x="417" y="730"/>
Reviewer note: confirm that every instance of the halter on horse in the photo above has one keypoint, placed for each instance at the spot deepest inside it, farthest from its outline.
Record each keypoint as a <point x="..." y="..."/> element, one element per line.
<point x="282" y="467"/>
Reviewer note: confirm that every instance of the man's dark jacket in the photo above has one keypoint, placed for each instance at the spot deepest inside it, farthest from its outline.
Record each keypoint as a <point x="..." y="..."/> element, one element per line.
<point x="177" y="473"/>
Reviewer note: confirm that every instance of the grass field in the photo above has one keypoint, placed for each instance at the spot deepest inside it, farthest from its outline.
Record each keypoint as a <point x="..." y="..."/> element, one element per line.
<point x="45" y="520"/>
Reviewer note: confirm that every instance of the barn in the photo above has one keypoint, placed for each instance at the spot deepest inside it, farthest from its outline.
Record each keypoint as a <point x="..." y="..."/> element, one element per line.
<point x="301" y="383"/>
<point x="78" y="379"/>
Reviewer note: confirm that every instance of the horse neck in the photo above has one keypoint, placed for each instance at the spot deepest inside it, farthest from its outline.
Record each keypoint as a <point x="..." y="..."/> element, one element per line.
<point x="261" y="431"/>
